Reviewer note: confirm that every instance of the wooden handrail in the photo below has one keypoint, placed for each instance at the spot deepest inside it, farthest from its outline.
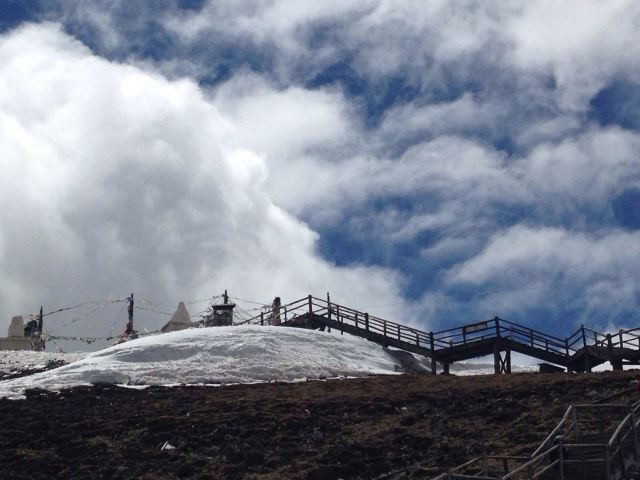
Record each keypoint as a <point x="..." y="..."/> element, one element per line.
<point x="615" y="435"/>
<point x="554" y="432"/>
<point x="530" y="463"/>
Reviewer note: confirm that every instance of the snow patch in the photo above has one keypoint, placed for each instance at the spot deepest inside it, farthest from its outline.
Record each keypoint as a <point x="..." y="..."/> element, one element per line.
<point x="17" y="360"/>
<point x="218" y="355"/>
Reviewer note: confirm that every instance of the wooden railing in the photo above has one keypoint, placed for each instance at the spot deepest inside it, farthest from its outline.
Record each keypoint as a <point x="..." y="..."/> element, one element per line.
<point x="500" y="328"/>
<point x="433" y="343"/>
<point x="344" y="317"/>
<point x="563" y="448"/>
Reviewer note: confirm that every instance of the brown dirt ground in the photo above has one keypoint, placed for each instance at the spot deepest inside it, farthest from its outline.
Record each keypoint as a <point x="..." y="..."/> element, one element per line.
<point x="350" y="429"/>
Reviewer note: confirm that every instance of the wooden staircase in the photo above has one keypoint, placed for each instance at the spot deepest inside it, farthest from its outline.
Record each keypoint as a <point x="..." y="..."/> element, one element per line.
<point x="591" y="442"/>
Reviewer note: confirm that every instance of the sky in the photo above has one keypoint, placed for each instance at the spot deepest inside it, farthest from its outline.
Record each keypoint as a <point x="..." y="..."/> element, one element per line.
<point x="431" y="162"/>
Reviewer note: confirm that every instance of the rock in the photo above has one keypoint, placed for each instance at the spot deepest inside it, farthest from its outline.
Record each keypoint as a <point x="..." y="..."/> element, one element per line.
<point x="108" y="378"/>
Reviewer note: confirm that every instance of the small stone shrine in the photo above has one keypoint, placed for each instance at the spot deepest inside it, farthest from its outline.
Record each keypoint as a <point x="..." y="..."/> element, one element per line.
<point x="16" y="340"/>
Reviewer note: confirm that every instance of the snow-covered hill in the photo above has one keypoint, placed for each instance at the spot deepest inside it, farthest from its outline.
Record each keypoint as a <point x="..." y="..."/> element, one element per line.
<point x="222" y="355"/>
<point x="218" y="355"/>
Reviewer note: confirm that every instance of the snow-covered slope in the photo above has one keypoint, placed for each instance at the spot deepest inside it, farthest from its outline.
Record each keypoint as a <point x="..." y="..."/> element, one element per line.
<point x="20" y="360"/>
<point x="218" y="355"/>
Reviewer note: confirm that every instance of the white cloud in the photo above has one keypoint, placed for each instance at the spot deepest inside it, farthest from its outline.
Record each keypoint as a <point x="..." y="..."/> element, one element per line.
<point x="548" y="252"/>
<point x="284" y="124"/>
<point x="461" y="115"/>
<point x="583" y="43"/>
<point x="527" y="267"/>
<point x="459" y="176"/>
<point x="115" y="179"/>
<point x="583" y="170"/>
<point x="579" y="45"/>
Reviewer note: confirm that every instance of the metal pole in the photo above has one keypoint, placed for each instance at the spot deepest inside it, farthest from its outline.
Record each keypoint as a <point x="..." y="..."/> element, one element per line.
<point x="40" y="322"/>
<point x="329" y="312"/>
<point x="559" y="441"/>
<point x="433" y="356"/>
<point x="635" y="436"/>
<point x="129" y="328"/>
<point x="621" y="455"/>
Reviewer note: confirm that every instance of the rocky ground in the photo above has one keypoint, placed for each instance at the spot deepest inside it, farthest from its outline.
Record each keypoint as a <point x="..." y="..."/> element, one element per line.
<point x="381" y="427"/>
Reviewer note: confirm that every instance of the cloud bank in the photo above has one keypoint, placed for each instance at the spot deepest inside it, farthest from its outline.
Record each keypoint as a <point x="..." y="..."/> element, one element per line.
<point x="456" y="161"/>
<point x="117" y="180"/>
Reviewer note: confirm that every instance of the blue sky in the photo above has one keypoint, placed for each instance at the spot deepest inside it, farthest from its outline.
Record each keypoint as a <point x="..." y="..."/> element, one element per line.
<point x="457" y="160"/>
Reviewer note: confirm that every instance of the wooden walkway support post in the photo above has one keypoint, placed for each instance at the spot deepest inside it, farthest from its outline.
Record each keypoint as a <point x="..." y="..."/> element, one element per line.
<point x="329" y="312"/>
<point x="500" y="364"/>
<point x="587" y="368"/>
<point x="616" y="364"/>
<point x="433" y="356"/>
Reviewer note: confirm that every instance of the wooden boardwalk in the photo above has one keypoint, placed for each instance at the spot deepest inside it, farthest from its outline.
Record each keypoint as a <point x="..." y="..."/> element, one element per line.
<point x="579" y="352"/>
